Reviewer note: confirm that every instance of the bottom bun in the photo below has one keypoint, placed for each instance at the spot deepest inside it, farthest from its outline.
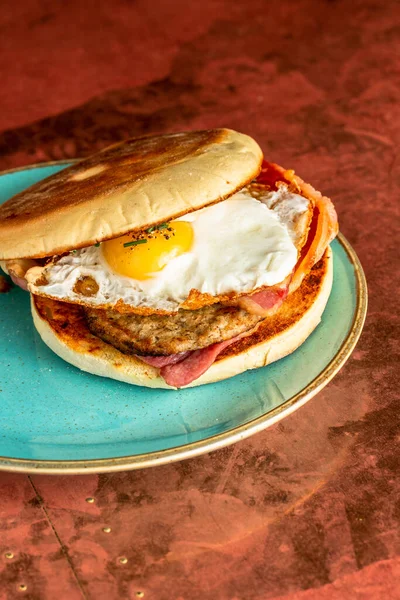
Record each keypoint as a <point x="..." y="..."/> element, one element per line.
<point x="63" y="329"/>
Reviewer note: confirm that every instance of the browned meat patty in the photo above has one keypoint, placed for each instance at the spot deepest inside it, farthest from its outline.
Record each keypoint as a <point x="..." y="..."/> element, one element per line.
<point x="169" y="334"/>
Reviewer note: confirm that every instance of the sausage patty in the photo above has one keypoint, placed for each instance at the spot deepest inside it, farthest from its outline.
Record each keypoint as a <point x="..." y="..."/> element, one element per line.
<point x="169" y="334"/>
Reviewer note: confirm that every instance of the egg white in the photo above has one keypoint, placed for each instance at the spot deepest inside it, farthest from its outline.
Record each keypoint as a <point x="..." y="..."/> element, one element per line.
<point x="239" y="244"/>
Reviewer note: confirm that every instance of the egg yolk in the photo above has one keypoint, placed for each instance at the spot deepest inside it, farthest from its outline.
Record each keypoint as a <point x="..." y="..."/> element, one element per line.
<point x="153" y="252"/>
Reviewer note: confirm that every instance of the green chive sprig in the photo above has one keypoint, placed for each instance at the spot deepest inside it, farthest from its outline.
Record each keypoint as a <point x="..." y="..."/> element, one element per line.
<point x="162" y="226"/>
<point x="135" y="243"/>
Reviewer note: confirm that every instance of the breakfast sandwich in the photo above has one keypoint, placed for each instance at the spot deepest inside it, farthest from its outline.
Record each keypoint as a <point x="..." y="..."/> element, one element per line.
<point x="172" y="260"/>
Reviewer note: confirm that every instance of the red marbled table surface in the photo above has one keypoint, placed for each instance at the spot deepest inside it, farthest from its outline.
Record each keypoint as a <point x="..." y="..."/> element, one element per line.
<point x="306" y="510"/>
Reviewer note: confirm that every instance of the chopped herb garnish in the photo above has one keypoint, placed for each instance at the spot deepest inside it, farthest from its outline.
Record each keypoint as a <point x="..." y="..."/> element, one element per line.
<point x="135" y="243"/>
<point x="97" y="245"/>
<point x="154" y="227"/>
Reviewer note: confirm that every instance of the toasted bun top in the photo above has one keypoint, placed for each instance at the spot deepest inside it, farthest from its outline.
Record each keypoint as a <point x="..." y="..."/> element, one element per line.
<point x="64" y="329"/>
<point x="129" y="186"/>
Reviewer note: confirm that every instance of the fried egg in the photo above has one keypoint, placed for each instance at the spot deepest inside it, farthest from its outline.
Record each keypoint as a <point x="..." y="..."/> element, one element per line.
<point x="243" y="243"/>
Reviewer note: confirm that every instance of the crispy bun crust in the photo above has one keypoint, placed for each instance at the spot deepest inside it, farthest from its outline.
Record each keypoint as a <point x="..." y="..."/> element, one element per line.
<point x="63" y="328"/>
<point x="129" y="186"/>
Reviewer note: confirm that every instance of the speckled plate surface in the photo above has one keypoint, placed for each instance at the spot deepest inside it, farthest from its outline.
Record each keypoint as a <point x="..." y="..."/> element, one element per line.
<point x="55" y="418"/>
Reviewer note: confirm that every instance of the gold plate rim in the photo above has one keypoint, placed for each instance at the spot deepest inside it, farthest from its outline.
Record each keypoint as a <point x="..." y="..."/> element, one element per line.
<point x="221" y="440"/>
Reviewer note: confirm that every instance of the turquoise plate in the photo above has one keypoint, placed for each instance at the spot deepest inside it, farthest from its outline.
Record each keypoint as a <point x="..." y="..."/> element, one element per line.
<point x="55" y="418"/>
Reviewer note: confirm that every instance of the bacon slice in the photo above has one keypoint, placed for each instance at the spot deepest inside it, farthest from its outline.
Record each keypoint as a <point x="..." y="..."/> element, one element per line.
<point x="19" y="281"/>
<point x="17" y="269"/>
<point x="267" y="301"/>
<point x="163" y="361"/>
<point x="181" y="369"/>
<point x="190" y="368"/>
<point x="324" y="225"/>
